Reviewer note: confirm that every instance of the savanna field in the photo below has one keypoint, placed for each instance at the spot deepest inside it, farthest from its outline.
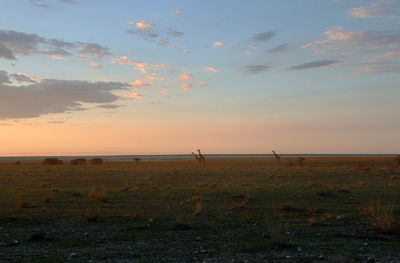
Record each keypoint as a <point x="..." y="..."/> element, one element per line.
<point x="226" y="210"/>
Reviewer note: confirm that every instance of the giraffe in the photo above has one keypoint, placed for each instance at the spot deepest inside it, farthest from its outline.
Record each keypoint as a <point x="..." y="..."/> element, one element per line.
<point x="277" y="157"/>
<point x="203" y="159"/>
<point x="196" y="157"/>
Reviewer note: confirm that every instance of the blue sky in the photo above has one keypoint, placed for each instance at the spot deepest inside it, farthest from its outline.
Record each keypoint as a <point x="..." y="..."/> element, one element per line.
<point x="307" y="76"/>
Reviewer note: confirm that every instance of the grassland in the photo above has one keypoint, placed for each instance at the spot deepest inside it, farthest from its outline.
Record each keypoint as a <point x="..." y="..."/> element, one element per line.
<point x="233" y="210"/>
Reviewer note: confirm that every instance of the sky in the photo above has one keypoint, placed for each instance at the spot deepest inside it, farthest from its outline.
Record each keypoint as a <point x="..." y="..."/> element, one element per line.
<point x="95" y="77"/>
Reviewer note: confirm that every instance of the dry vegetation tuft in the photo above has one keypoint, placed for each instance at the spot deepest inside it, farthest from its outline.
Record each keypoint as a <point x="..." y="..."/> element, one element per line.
<point x="98" y="194"/>
<point x="382" y="213"/>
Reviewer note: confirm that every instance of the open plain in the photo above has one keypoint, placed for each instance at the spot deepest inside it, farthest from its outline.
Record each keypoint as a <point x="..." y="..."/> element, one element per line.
<point x="226" y="210"/>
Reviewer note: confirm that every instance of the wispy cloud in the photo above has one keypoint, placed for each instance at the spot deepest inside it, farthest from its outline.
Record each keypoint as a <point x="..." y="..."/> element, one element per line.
<point x="174" y="33"/>
<point x="96" y="65"/>
<point x="134" y="95"/>
<point x="185" y="86"/>
<point x="218" y="44"/>
<point x="256" y="69"/>
<point x="265" y="36"/>
<point x="314" y="64"/>
<point x="375" y="9"/>
<point x="338" y="39"/>
<point x="210" y="69"/>
<point x="140" y="83"/>
<point x="143" y="67"/>
<point x="23" y="77"/>
<point x="185" y="76"/>
<point x="18" y="44"/>
<point x="176" y="11"/>
<point x="279" y="48"/>
<point x="144" y="29"/>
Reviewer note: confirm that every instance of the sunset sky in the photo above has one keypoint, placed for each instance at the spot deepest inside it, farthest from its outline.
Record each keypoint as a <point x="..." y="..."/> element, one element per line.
<point x="167" y="77"/>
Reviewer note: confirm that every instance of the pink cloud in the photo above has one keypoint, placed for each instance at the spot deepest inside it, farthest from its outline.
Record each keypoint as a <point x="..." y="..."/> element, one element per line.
<point x="185" y="76"/>
<point x="185" y="86"/>
<point x="211" y="69"/>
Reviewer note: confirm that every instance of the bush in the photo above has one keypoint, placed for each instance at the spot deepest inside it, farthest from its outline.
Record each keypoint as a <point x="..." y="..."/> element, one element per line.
<point x="52" y="161"/>
<point x="78" y="161"/>
<point x="96" y="161"/>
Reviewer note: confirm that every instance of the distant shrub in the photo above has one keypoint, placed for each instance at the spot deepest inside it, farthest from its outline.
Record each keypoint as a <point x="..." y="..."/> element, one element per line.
<point x="137" y="160"/>
<point x="78" y="161"/>
<point x="18" y="162"/>
<point x="52" y="161"/>
<point x="96" y="161"/>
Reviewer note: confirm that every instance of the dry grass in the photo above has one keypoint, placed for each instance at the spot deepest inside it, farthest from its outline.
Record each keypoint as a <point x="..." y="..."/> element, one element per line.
<point x="98" y="194"/>
<point x="46" y="199"/>
<point x="277" y="229"/>
<point x="21" y="202"/>
<point x="382" y="213"/>
<point x="197" y="207"/>
<point x="286" y="206"/>
<point x="91" y="215"/>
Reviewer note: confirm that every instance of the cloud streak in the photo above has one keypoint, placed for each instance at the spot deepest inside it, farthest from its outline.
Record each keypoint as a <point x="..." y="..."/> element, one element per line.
<point x="375" y="9"/>
<point x="256" y="69"/>
<point x="314" y="64"/>
<point x="18" y="44"/>
<point x="265" y="36"/>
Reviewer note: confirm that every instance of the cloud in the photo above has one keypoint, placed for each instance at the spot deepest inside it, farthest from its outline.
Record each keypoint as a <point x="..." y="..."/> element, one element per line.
<point x="143" y="67"/>
<point x="145" y="25"/>
<point x="218" y="44"/>
<point x="165" y="43"/>
<point x="134" y="95"/>
<point x="22" y="77"/>
<point x="314" y="64"/>
<point x="278" y="49"/>
<point x="4" y="79"/>
<point x="375" y="9"/>
<point x="38" y="3"/>
<point x="176" y="11"/>
<point x="185" y="76"/>
<point x="265" y="36"/>
<point x="173" y="33"/>
<point x="140" y="83"/>
<point x="93" y="49"/>
<point x="185" y="86"/>
<point x="109" y="106"/>
<point x="211" y="69"/>
<point x="379" y="68"/>
<point x="18" y="44"/>
<point x="255" y="69"/>
<point x="338" y="39"/>
<point x="162" y="92"/>
<point x="6" y="53"/>
<point x="144" y="29"/>
<point x="54" y="96"/>
<point x="95" y="65"/>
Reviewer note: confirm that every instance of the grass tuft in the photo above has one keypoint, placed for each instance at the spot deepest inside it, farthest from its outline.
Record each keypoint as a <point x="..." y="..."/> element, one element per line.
<point x="382" y="213"/>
